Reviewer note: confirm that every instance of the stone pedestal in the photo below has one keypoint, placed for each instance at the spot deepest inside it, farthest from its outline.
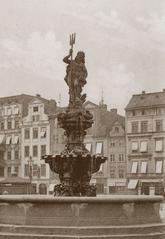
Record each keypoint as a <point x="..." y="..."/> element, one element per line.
<point x="81" y="217"/>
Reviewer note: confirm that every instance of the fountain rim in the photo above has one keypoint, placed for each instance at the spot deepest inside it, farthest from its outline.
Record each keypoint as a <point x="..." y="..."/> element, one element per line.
<point x="98" y="199"/>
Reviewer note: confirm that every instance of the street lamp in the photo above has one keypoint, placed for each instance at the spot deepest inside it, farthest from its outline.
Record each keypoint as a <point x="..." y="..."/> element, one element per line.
<point x="30" y="164"/>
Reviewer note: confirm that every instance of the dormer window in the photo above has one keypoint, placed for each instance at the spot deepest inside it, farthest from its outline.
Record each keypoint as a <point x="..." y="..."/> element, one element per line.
<point x="35" y="109"/>
<point x="116" y="130"/>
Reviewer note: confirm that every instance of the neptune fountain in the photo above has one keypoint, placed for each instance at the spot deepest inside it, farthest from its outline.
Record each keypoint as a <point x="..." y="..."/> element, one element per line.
<point x="75" y="165"/>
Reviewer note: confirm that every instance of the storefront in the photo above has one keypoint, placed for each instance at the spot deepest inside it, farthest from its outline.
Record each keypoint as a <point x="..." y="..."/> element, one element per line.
<point x="152" y="188"/>
<point x="14" y="185"/>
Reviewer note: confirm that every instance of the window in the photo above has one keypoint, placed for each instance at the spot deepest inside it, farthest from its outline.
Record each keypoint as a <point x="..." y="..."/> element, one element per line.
<point x="16" y="110"/>
<point x="159" y="166"/>
<point x="26" y="151"/>
<point x="16" y="170"/>
<point x="35" y="170"/>
<point x="26" y="170"/>
<point x="16" y="154"/>
<point x="35" y="109"/>
<point x="134" y="167"/>
<point x="158" y="145"/>
<point x="121" y="143"/>
<point x="43" y="170"/>
<point x="143" y="146"/>
<point x="112" y="144"/>
<point x="143" y="112"/>
<point x="16" y="124"/>
<point x="8" y="111"/>
<point x="134" y="146"/>
<point x="27" y="133"/>
<point x="43" y="132"/>
<point x="121" y="157"/>
<point x="112" y="157"/>
<point x="43" y="150"/>
<point x="121" y="173"/>
<point x="1" y="155"/>
<point x="9" y="124"/>
<point x="116" y="130"/>
<point x="8" y="155"/>
<point x="1" y="172"/>
<point x="99" y="148"/>
<point x="15" y="139"/>
<point x="2" y="125"/>
<point x="112" y="173"/>
<point x="144" y="126"/>
<point x="35" y="133"/>
<point x="35" y="150"/>
<point x="88" y="146"/>
<point x="159" y="125"/>
<point x="143" y="168"/>
<point x="9" y="171"/>
<point x="135" y="127"/>
<point x="36" y="118"/>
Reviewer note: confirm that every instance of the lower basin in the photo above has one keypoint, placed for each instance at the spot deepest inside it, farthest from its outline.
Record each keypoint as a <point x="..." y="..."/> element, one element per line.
<point x="81" y="217"/>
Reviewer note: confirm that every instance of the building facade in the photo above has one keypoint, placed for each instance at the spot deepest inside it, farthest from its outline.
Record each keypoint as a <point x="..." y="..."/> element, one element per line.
<point x="107" y="137"/>
<point x="145" y="127"/>
<point x="24" y="128"/>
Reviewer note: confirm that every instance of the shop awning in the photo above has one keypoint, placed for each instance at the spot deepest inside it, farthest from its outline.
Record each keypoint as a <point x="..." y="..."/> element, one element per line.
<point x="15" y="140"/>
<point x="1" y="138"/>
<point x="8" y="140"/>
<point x="132" y="183"/>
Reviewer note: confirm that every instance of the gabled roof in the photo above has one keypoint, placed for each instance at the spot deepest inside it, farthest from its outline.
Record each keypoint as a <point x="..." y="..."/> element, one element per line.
<point x="146" y="100"/>
<point x="89" y="104"/>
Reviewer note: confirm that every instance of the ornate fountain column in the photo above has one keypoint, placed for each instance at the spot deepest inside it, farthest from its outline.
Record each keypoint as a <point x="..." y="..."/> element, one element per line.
<point x="75" y="165"/>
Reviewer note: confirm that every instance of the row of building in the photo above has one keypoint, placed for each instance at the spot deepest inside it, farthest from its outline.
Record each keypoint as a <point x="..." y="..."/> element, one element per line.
<point x="134" y="144"/>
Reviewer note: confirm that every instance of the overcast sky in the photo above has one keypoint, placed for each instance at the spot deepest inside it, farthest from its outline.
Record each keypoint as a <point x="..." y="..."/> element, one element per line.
<point x="124" y="42"/>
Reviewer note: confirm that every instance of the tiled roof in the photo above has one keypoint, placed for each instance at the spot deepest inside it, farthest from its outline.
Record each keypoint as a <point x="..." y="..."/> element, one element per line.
<point x="146" y="100"/>
<point x="24" y="100"/>
<point x="105" y="120"/>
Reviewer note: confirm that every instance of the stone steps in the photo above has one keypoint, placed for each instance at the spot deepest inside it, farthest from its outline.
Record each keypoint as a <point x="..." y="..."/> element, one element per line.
<point x="41" y="236"/>
<point x="150" y="231"/>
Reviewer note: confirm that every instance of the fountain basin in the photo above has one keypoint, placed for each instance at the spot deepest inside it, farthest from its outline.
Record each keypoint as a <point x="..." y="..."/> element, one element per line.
<point x="81" y="217"/>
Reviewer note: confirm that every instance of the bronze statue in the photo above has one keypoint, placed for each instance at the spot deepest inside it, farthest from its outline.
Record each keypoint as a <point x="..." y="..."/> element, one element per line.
<point x="76" y="74"/>
<point x="75" y="165"/>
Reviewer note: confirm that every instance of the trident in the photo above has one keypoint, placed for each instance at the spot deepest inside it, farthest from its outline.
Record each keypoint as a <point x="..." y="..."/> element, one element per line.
<point x="72" y="41"/>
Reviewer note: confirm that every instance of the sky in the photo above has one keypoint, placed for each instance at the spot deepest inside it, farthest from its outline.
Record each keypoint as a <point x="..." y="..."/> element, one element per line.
<point x="123" y="40"/>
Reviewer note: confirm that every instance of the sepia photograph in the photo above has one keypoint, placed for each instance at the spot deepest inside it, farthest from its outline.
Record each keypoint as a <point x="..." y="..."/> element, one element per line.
<point x="82" y="119"/>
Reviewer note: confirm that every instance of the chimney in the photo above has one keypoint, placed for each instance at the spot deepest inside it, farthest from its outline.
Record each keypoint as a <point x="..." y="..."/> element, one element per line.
<point x="143" y="92"/>
<point x="103" y="106"/>
<point x="114" y="110"/>
<point x="53" y="101"/>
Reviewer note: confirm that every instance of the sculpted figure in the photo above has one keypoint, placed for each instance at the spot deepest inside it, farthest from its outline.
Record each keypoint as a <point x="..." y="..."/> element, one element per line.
<point x="76" y="74"/>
